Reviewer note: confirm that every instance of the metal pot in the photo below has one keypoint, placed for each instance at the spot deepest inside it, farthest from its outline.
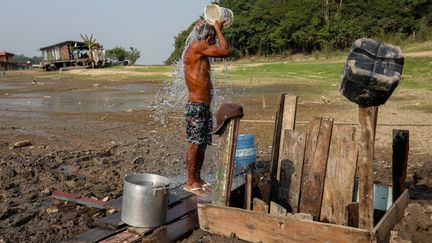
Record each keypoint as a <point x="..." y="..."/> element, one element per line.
<point x="145" y="200"/>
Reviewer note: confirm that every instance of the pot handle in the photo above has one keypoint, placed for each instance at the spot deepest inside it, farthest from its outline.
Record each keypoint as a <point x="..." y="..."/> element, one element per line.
<point x="165" y="188"/>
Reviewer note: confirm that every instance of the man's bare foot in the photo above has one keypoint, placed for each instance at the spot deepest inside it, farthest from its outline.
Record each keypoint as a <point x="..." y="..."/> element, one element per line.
<point x="197" y="190"/>
<point x="207" y="186"/>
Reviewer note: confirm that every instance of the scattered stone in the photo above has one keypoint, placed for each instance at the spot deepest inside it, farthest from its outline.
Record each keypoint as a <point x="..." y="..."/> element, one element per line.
<point x="21" y="144"/>
<point x="111" y="210"/>
<point x="52" y="210"/>
<point x="138" y="159"/>
<point x="47" y="191"/>
<point x="325" y="100"/>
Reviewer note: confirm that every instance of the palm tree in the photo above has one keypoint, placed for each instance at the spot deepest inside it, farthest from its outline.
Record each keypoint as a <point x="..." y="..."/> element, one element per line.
<point x="91" y="44"/>
<point x="133" y="55"/>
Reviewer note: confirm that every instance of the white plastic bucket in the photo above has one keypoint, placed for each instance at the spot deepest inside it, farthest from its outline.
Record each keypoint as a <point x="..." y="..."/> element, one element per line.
<point x="213" y="12"/>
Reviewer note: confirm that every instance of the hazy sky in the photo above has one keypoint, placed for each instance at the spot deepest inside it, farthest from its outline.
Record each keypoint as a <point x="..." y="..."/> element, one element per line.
<point x="148" y="25"/>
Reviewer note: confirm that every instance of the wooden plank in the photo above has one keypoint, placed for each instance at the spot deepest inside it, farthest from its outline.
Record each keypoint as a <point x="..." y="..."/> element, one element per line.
<point x="255" y="227"/>
<point x="95" y="235"/>
<point x="248" y="188"/>
<point x="260" y="206"/>
<point x="90" y="202"/>
<point x="339" y="180"/>
<point x="124" y="237"/>
<point x="225" y="165"/>
<point x="367" y="119"/>
<point x="291" y="162"/>
<point x="381" y="232"/>
<point x="314" y="167"/>
<point x="288" y="123"/>
<point x="277" y="209"/>
<point x="174" y="231"/>
<point x="400" y="161"/>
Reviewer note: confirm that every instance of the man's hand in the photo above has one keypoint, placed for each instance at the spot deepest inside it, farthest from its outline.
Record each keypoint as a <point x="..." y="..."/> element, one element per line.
<point x="219" y="25"/>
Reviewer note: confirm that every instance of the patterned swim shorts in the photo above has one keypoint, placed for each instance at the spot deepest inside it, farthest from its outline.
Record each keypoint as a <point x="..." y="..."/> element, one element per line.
<point x="199" y="123"/>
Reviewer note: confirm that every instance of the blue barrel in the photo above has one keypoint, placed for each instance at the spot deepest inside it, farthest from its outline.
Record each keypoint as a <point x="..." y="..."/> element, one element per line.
<point x="245" y="150"/>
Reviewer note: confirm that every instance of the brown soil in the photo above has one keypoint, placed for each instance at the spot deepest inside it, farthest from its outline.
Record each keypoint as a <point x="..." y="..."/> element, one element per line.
<point x="85" y="135"/>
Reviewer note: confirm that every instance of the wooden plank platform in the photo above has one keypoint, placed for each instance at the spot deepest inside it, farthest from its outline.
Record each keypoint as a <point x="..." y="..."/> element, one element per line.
<point x="177" y="209"/>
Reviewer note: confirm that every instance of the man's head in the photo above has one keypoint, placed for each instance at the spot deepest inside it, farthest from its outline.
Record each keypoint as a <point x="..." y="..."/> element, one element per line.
<point x="205" y="31"/>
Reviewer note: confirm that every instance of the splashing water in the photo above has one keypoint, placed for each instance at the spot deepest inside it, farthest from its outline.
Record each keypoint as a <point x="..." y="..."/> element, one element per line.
<point x="173" y="97"/>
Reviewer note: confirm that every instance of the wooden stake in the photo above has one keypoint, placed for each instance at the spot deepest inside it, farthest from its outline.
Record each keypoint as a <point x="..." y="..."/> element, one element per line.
<point x="277" y="137"/>
<point x="263" y="102"/>
<point x="248" y="188"/>
<point x="225" y="166"/>
<point x="367" y="119"/>
<point x="400" y="161"/>
<point x="288" y="123"/>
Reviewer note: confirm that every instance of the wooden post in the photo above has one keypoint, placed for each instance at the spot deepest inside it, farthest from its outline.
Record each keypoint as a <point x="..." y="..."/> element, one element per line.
<point x="367" y="119"/>
<point x="225" y="165"/>
<point x="248" y="188"/>
<point x="271" y="189"/>
<point x="277" y="137"/>
<point x="288" y="123"/>
<point x="400" y="161"/>
<point x="314" y="167"/>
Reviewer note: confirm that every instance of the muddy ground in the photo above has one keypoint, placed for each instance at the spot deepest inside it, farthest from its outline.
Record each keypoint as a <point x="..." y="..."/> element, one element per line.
<point x="86" y="133"/>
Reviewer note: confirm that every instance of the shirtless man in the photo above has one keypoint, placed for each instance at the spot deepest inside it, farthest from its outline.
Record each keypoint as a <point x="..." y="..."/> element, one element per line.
<point x="198" y="114"/>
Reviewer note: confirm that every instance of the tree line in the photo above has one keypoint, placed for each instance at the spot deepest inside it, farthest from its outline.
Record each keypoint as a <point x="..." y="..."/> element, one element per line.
<point x="284" y="27"/>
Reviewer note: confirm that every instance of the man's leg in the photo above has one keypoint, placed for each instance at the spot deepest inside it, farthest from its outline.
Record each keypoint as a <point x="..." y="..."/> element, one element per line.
<point x="195" y="159"/>
<point x="200" y="162"/>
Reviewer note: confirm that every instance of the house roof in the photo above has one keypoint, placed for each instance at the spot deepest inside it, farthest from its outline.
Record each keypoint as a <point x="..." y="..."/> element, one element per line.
<point x="78" y="43"/>
<point x="4" y="53"/>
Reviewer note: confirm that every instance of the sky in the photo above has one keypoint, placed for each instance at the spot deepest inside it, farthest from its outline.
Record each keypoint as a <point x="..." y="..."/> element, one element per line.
<point x="148" y="25"/>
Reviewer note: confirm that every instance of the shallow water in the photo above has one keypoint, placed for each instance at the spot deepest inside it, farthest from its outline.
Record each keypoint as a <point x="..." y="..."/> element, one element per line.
<point x="116" y="98"/>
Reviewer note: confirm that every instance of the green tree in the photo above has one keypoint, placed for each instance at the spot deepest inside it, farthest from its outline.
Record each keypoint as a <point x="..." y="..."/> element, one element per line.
<point x="268" y="27"/>
<point x="133" y="55"/>
<point x="117" y="53"/>
<point x="23" y="59"/>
